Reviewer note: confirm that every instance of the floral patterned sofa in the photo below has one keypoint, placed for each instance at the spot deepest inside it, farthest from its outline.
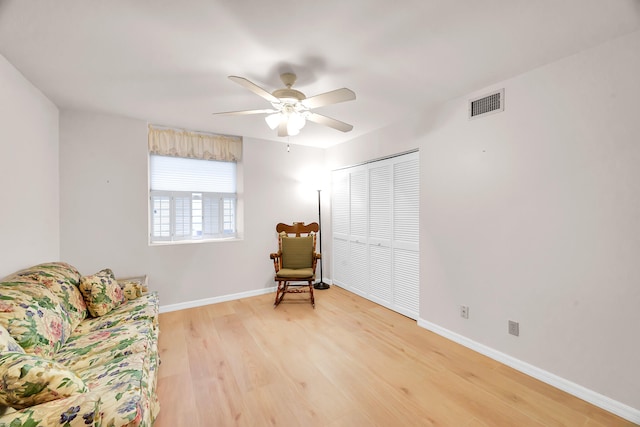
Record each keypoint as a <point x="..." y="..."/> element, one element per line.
<point x="76" y="350"/>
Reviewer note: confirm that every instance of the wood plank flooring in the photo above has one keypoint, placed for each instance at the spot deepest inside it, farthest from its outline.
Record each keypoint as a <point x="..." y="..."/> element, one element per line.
<point x="349" y="362"/>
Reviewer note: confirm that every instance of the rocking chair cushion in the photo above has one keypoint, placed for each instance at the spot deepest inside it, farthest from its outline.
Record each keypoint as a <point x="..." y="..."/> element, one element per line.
<point x="299" y="273"/>
<point x="297" y="252"/>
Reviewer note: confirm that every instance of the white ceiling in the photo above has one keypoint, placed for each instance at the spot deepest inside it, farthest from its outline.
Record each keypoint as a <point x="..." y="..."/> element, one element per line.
<point x="167" y="61"/>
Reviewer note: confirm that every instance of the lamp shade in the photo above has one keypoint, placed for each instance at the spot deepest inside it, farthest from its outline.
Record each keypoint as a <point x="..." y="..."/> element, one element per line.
<point x="291" y="129"/>
<point x="294" y="119"/>
<point x="272" y="120"/>
<point x="297" y="120"/>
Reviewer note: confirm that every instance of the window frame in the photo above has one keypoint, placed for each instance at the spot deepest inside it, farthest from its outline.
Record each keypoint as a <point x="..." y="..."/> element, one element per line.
<point x="226" y="202"/>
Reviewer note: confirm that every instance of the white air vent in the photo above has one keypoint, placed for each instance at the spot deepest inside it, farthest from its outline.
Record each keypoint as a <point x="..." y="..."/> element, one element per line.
<point x="486" y="104"/>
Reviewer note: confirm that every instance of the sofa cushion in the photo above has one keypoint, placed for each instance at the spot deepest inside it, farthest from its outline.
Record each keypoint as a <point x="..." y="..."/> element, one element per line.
<point x="145" y="307"/>
<point x="7" y="343"/>
<point x="96" y="348"/>
<point x="62" y="279"/>
<point x="28" y="380"/>
<point x="33" y="316"/>
<point x="101" y="292"/>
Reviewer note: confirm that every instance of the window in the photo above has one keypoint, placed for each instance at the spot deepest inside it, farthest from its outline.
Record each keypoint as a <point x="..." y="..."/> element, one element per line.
<point x="192" y="192"/>
<point x="191" y="199"/>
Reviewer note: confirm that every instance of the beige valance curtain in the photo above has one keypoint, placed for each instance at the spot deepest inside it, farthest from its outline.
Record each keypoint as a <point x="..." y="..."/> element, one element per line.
<point x="194" y="145"/>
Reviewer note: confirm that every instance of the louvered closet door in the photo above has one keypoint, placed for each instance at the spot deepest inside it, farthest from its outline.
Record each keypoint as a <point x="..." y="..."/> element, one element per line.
<point x="340" y="227"/>
<point x="406" y="199"/>
<point x="376" y="232"/>
<point x="380" y="231"/>
<point x="358" y="259"/>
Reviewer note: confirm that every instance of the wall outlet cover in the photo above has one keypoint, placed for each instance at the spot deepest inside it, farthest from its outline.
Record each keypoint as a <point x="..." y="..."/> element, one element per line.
<point x="464" y="311"/>
<point x="514" y="328"/>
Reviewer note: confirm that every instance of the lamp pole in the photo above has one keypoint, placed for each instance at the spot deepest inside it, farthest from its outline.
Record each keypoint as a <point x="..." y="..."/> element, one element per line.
<point x="320" y="284"/>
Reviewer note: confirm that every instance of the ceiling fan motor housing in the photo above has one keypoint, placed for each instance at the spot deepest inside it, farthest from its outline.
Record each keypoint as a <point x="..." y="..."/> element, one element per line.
<point x="288" y="94"/>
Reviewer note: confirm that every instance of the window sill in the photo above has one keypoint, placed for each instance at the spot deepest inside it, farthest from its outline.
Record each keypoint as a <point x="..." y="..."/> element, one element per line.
<point x="197" y="242"/>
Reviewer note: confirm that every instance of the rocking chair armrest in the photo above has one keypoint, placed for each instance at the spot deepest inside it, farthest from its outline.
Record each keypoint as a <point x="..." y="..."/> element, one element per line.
<point x="276" y="257"/>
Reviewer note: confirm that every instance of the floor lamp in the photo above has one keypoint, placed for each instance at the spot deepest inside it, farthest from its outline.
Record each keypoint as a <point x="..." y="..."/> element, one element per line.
<point x="320" y="284"/>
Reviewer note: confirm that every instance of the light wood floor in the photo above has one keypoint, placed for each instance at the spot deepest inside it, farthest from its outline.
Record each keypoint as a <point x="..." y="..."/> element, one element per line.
<point x="349" y="362"/>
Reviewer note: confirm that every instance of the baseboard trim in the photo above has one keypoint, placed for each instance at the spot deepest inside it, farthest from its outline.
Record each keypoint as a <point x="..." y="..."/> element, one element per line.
<point x="214" y="300"/>
<point x="597" y="399"/>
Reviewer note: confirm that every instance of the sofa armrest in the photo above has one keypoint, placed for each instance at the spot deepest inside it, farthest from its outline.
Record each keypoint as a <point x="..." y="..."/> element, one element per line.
<point x="79" y="409"/>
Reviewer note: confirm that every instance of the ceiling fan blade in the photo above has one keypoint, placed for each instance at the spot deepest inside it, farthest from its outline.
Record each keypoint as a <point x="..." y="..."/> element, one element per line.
<point x="254" y="88"/>
<point x="328" y="121"/>
<point x="245" y="112"/>
<point x="328" y="98"/>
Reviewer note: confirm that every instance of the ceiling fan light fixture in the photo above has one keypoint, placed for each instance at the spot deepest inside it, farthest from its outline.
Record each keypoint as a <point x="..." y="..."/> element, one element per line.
<point x="272" y="120"/>
<point x="296" y="120"/>
<point x="291" y="129"/>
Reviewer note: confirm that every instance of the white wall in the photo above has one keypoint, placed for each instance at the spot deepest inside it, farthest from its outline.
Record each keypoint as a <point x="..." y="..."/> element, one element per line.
<point x="533" y="215"/>
<point x="104" y="211"/>
<point x="29" y="217"/>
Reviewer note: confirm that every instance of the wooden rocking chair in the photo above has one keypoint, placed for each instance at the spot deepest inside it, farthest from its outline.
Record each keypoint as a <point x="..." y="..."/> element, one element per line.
<point x="295" y="260"/>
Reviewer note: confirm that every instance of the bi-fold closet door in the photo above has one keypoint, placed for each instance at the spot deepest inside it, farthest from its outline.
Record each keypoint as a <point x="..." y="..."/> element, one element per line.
<point x="375" y="231"/>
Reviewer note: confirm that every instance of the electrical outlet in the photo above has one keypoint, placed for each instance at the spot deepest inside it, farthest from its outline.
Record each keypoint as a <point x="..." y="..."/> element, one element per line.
<point x="514" y="328"/>
<point x="464" y="311"/>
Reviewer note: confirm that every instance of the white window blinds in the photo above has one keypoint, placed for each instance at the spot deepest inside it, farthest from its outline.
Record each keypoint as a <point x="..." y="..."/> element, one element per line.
<point x="179" y="174"/>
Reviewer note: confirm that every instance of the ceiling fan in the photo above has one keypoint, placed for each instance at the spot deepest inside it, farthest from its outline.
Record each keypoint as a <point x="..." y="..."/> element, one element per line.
<point x="291" y="108"/>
